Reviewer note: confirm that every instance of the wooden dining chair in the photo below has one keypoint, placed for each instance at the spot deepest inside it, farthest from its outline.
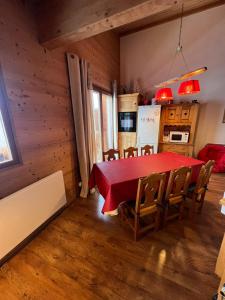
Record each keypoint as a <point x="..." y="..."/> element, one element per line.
<point x="148" y="203"/>
<point x="111" y="154"/>
<point x="196" y="192"/>
<point x="147" y="150"/>
<point x="176" y="192"/>
<point x="130" y="152"/>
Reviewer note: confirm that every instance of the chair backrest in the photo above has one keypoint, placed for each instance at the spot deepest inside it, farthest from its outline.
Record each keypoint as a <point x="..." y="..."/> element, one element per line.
<point x="150" y="191"/>
<point x="147" y="150"/>
<point x="204" y="176"/>
<point x="130" y="152"/>
<point x="178" y="183"/>
<point x="111" y="154"/>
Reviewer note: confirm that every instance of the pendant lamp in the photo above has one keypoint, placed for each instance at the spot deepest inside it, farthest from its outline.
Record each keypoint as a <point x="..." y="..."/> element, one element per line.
<point x="189" y="87"/>
<point x="164" y="94"/>
<point x="193" y="73"/>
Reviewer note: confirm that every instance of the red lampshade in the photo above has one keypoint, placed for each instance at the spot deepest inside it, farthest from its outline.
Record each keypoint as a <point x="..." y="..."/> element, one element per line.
<point x="189" y="87"/>
<point x="164" y="94"/>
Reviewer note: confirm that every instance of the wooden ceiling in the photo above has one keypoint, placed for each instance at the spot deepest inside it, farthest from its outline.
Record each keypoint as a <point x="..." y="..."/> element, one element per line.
<point x="62" y="22"/>
<point x="174" y="12"/>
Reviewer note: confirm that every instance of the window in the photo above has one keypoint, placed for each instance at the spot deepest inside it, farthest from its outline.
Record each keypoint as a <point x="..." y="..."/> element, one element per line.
<point x="97" y="123"/>
<point x="8" y="153"/>
<point x="103" y="121"/>
<point x="107" y="122"/>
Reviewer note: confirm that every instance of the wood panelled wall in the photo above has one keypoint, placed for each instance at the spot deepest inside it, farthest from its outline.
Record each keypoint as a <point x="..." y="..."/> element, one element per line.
<point x="103" y="52"/>
<point x="38" y="90"/>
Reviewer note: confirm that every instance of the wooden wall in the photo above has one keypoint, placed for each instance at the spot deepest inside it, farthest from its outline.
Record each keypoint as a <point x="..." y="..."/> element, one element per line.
<point x="37" y="87"/>
<point x="103" y="52"/>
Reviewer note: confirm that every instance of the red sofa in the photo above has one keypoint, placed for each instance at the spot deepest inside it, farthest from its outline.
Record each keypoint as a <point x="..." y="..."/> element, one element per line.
<point x="215" y="152"/>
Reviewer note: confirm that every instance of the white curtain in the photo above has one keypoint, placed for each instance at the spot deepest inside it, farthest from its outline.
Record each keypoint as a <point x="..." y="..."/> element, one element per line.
<point x="115" y="115"/>
<point x="81" y="94"/>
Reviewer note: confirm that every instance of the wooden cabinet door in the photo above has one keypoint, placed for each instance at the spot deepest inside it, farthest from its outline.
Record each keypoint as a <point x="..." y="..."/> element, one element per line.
<point x="172" y="114"/>
<point x="185" y="116"/>
<point x="178" y="114"/>
<point x="127" y="103"/>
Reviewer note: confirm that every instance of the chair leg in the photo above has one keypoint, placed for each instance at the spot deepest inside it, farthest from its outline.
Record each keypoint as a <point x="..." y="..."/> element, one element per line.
<point x="192" y="209"/>
<point x="200" y="207"/>
<point x="136" y="227"/>
<point x="165" y="215"/>
<point x="201" y="203"/>
<point x="181" y="212"/>
<point x="157" y="219"/>
<point x="121" y="214"/>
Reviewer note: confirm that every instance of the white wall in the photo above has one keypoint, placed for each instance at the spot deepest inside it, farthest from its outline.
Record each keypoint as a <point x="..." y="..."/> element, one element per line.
<point x="147" y="54"/>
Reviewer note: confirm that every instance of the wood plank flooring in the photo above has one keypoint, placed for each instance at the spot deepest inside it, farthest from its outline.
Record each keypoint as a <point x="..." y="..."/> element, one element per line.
<point x="85" y="255"/>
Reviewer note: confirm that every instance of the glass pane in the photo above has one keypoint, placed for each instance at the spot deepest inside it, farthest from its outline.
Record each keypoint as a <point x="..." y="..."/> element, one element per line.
<point x="97" y="124"/>
<point x="107" y="122"/>
<point x="5" y="152"/>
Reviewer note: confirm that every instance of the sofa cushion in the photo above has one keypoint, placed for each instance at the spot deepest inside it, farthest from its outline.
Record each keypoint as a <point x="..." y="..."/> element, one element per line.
<point x="214" y="152"/>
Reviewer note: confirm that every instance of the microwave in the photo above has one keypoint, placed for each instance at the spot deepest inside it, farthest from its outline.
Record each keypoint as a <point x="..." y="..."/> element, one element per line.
<point x="179" y="136"/>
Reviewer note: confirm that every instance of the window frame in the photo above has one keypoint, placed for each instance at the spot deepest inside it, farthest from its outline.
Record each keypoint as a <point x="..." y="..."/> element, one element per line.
<point x="106" y="92"/>
<point x="7" y="121"/>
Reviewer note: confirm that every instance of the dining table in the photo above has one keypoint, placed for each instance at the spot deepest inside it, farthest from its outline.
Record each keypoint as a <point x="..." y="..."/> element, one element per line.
<point x="117" y="180"/>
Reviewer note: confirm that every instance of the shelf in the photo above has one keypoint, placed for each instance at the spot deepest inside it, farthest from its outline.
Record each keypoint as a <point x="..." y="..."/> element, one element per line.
<point x="177" y="123"/>
<point x="169" y="143"/>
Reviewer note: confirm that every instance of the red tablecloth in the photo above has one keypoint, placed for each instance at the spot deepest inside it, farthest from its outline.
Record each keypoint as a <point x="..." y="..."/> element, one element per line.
<point x="117" y="180"/>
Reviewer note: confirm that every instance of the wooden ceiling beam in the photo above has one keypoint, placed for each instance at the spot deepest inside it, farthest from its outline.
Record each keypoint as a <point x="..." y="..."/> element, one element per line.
<point x="173" y="16"/>
<point x="62" y="22"/>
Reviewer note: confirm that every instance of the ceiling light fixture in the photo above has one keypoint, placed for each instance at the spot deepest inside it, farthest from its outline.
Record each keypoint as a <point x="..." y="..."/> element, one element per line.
<point x="184" y="88"/>
<point x="193" y="73"/>
<point x="164" y="94"/>
<point x="189" y="87"/>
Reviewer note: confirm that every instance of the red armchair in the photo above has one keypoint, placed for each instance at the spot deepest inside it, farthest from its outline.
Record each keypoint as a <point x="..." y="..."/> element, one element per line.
<point x="214" y="152"/>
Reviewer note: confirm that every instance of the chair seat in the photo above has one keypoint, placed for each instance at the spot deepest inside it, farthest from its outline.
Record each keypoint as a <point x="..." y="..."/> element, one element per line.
<point x="191" y="192"/>
<point x="143" y="210"/>
<point x="148" y="210"/>
<point x="192" y="187"/>
<point x="175" y="200"/>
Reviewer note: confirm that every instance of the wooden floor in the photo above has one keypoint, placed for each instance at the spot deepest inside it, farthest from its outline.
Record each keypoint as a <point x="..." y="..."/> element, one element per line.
<point x="85" y="255"/>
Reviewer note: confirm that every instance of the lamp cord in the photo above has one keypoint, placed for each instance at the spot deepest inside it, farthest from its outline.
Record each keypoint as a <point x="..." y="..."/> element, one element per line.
<point x="181" y="25"/>
<point x="184" y="60"/>
<point x="179" y="47"/>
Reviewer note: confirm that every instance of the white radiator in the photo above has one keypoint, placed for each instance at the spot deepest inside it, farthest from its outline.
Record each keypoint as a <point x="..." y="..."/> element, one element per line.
<point x="26" y="210"/>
